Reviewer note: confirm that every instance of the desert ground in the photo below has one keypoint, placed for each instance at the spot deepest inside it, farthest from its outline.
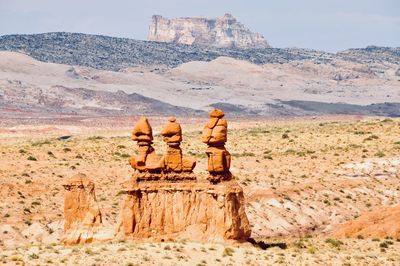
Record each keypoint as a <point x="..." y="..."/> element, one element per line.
<point x="302" y="178"/>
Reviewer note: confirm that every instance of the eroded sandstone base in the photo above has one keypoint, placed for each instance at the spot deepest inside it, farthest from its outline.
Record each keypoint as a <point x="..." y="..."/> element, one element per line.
<point x="195" y="210"/>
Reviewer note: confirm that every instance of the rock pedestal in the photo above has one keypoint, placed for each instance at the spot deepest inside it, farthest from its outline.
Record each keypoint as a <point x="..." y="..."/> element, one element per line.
<point x="197" y="211"/>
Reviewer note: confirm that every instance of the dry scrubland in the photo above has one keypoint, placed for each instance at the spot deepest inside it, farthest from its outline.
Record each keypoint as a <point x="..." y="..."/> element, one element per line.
<point x="301" y="179"/>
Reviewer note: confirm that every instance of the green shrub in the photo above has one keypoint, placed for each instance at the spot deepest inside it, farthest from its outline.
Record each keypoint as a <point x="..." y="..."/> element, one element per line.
<point x="228" y="252"/>
<point x="334" y="242"/>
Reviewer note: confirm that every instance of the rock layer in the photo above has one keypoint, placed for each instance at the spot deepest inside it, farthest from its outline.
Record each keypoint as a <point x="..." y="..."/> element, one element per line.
<point x="194" y="210"/>
<point x="218" y="32"/>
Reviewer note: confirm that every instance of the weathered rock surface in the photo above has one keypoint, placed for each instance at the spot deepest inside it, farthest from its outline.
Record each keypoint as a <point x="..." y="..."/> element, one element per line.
<point x="217" y="32"/>
<point x="195" y="210"/>
<point x="83" y="222"/>
<point x="384" y="222"/>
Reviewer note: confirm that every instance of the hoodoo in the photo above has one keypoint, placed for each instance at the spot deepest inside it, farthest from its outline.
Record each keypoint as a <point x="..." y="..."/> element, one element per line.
<point x="164" y="199"/>
<point x="171" y="203"/>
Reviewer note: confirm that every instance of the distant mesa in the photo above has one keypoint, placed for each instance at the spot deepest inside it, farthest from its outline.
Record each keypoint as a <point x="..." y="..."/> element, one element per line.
<point x="224" y="32"/>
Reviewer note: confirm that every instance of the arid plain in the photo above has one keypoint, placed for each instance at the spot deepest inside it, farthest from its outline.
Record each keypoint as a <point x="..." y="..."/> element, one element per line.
<point x="302" y="179"/>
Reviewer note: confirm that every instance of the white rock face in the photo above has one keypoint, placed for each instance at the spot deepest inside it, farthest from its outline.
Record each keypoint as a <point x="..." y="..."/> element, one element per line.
<point x="218" y="32"/>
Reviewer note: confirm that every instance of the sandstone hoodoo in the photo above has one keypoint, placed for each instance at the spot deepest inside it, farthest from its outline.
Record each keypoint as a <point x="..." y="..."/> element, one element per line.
<point x="83" y="222"/>
<point x="171" y="203"/>
<point x="215" y="136"/>
<point x="173" y="160"/>
<point x="164" y="199"/>
<point x="217" y="32"/>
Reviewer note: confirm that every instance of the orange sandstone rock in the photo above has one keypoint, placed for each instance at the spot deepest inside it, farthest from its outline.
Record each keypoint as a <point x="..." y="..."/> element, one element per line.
<point x="173" y="160"/>
<point x="199" y="211"/>
<point x="147" y="159"/>
<point x="383" y="222"/>
<point x="83" y="222"/>
<point x="164" y="199"/>
<point x="215" y="134"/>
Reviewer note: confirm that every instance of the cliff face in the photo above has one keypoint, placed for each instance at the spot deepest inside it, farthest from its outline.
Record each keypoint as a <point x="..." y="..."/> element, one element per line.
<point x="219" y="32"/>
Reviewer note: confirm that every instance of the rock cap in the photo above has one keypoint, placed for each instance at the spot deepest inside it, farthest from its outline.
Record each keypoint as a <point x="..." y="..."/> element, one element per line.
<point x="217" y="113"/>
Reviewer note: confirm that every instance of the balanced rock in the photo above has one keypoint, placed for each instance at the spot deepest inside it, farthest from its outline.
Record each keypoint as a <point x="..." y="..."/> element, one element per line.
<point x="173" y="160"/>
<point x="218" y="32"/>
<point x="215" y="135"/>
<point x="147" y="159"/>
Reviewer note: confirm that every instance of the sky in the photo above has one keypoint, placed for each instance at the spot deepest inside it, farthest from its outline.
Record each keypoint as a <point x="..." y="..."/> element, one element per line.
<point x="329" y="25"/>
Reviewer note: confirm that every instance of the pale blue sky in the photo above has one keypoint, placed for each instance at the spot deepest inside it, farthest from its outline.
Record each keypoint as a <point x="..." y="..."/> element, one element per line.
<point x="329" y="25"/>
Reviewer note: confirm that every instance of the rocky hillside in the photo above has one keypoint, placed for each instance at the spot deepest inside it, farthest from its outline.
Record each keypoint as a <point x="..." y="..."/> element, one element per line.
<point x="109" y="53"/>
<point x="217" y="32"/>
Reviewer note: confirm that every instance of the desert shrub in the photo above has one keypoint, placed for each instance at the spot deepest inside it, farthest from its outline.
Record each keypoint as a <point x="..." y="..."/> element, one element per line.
<point x="31" y="158"/>
<point x="243" y="154"/>
<point x="228" y="252"/>
<point x="380" y="154"/>
<point x="89" y="251"/>
<point x="95" y="138"/>
<point x="372" y="137"/>
<point x="40" y="143"/>
<point x="33" y="256"/>
<point x="334" y="242"/>
<point x="269" y="157"/>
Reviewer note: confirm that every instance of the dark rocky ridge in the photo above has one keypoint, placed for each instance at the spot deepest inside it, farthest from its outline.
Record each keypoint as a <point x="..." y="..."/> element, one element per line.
<point x="110" y="53"/>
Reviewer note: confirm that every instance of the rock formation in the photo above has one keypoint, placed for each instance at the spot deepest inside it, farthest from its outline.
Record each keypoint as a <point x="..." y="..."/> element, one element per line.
<point x="173" y="160"/>
<point x="147" y="159"/>
<point x="164" y="200"/>
<point x="148" y="165"/>
<point x="83" y="222"/>
<point x="173" y="204"/>
<point x="218" y="32"/>
<point x="197" y="211"/>
<point x="215" y="136"/>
